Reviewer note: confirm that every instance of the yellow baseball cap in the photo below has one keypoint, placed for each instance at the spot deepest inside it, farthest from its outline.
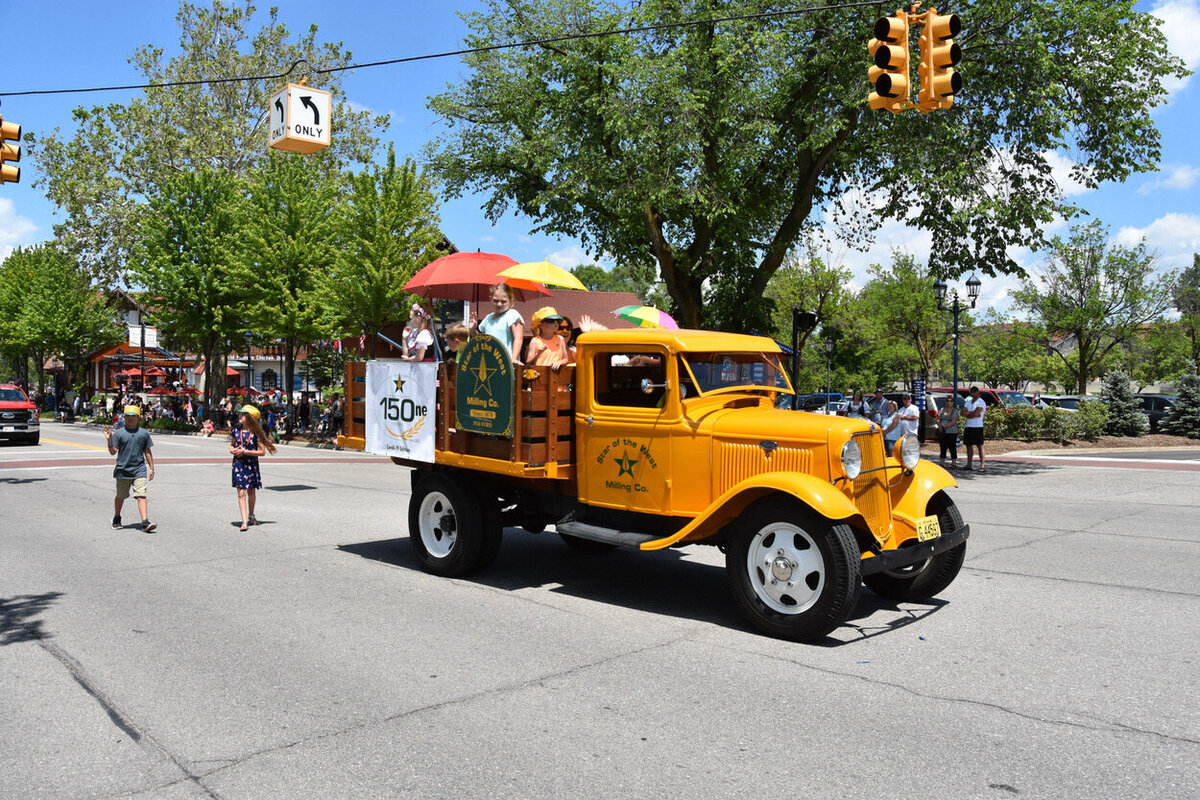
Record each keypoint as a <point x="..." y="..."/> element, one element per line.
<point x="251" y="410"/>
<point x="132" y="411"/>
<point x="545" y="313"/>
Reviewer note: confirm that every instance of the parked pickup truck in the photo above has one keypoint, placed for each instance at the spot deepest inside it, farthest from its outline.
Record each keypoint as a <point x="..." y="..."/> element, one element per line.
<point x="657" y="439"/>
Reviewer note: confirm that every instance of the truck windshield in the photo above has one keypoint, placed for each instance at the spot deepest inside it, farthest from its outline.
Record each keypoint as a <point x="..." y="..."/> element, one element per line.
<point x="718" y="372"/>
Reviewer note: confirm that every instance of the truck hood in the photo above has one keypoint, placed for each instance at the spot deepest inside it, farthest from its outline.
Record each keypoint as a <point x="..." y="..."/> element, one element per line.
<point x="780" y="425"/>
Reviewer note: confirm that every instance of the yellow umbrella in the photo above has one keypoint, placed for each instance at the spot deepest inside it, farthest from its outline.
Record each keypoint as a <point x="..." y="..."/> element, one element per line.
<point x="544" y="272"/>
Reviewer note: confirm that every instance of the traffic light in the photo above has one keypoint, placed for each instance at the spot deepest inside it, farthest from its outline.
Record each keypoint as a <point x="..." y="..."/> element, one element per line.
<point x="939" y="53"/>
<point x="889" y="75"/>
<point x="9" y="131"/>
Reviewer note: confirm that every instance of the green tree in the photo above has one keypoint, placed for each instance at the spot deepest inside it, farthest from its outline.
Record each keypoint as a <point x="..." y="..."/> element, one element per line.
<point x="291" y="240"/>
<point x="1184" y="419"/>
<point x="1158" y="352"/>
<point x="1186" y="297"/>
<point x="390" y="230"/>
<point x="190" y="261"/>
<point x="49" y="307"/>
<point x="804" y="281"/>
<point x="712" y="147"/>
<point x="640" y="279"/>
<point x="897" y="313"/>
<point x="1001" y="351"/>
<point x="120" y="154"/>
<point x="1098" y="296"/>
<point x="1125" y="417"/>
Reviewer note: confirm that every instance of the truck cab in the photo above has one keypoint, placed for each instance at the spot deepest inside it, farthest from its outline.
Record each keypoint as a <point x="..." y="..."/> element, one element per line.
<point x="661" y="438"/>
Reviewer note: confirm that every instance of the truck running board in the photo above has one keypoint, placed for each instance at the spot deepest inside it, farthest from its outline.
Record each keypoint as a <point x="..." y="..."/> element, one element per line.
<point x="608" y="535"/>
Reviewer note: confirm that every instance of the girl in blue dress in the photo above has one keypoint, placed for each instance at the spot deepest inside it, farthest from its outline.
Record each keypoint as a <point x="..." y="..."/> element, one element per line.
<point x="247" y="442"/>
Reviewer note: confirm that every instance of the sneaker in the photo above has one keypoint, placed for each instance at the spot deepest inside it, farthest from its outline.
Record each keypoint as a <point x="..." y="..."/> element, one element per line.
<point x="148" y="526"/>
<point x="117" y="523"/>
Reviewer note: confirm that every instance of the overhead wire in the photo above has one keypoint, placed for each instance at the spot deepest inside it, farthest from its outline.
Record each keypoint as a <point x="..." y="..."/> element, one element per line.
<point x="567" y="37"/>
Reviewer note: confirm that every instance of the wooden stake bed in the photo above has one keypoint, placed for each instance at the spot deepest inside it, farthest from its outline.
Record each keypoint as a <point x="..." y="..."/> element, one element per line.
<point x="543" y="441"/>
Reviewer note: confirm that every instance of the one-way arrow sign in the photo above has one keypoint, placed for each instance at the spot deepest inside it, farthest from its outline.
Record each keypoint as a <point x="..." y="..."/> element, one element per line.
<point x="301" y="120"/>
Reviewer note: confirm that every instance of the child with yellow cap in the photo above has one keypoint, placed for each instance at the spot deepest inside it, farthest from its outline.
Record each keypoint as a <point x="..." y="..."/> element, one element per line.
<point x="547" y="348"/>
<point x="135" y="464"/>
<point x="247" y="442"/>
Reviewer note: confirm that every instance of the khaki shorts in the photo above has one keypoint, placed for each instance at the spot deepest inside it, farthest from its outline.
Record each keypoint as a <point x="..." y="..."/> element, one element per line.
<point x="137" y="484"/>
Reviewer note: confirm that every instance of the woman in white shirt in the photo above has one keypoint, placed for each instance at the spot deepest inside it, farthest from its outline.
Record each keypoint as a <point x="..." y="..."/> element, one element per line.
<point x="418" y="335"/>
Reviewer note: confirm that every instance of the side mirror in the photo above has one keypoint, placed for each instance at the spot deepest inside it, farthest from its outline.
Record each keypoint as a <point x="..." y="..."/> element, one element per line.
<point x="648" y="387"/>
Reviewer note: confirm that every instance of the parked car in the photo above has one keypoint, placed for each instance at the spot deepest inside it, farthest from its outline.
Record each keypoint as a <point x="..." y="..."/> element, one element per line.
<point x="1008" y="398"/>
<point x="1156" y="407"/>
<point x="18" y="416"/>
<point x="1066" y="402"/>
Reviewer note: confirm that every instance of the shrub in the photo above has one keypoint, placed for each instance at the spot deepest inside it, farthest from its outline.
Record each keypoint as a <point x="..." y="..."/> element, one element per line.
<point x="1184" y="419"/>
<point x="1125" y="416"/>
<point x="995" y="423"/>
<point x="1024" y="423"/>
<point x="1057" y="424"/>
<point x="1090" y="420"/>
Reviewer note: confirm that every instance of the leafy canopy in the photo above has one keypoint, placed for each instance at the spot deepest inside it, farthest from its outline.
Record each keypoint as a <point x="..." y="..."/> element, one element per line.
<point x="714" y="148"/>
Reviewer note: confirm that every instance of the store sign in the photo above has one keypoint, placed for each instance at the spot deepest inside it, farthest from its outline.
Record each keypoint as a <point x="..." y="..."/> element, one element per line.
<point x="400" y="407"/>
<point x="485" y="388"/>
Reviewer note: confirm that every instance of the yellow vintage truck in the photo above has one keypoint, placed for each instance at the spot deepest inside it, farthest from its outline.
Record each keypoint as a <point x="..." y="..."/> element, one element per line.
<point x="661" y="438"/>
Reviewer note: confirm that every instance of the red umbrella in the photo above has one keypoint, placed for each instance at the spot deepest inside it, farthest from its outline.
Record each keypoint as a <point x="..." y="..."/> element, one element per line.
<point x="192" y="390"/>
<point x="161" y="390"/>
<point x="465" y="276"/>
<point x="242" y="390"/>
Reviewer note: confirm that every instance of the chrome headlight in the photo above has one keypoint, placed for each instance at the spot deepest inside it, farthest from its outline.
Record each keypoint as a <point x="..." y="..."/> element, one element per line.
<point x="907" y="451"/>
<point x="851" y="459"/>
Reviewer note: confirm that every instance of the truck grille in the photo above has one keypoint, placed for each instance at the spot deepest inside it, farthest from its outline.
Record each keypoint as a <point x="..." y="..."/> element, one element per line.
<point x="870" y="487"/>
<point x="736" y="461"/>
<point x="16" y="415"/>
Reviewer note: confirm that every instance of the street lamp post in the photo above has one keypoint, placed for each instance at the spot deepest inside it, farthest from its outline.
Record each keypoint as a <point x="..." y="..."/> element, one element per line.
<point x="249" y="367"/>
<point x="142" y="342"/>
<point x="828" y="373"/>
<point x="957" y="307"/>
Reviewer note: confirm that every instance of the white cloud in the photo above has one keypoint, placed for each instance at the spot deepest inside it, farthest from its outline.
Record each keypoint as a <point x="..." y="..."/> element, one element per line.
<point x="570" y="257"/>
<point x="1181" y="24"/>
<point x="1061" y="168"/>
<point x="487" y="238"/>
<point x="1175" y="237"/>
<point x="15" y="230"/>
<point x="1183" y="176"/>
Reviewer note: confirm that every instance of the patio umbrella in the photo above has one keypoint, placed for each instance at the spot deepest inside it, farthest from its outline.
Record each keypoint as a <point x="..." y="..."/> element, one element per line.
<point x="161" y="390"/>
<point x="466" y="276"/>
<point x="544" y="272"/>
<point x="189" y="390"/>
<point x="646" y="317"/>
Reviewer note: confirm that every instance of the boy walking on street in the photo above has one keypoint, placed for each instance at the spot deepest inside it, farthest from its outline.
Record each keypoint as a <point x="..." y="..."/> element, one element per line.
<point x="135" y="464"/>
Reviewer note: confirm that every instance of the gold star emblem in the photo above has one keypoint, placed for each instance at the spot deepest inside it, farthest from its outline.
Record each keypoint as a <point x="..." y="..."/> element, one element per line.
<point x="625" y="465"/>
<point x="399" y="383"/>
<point x="481" y="376"/>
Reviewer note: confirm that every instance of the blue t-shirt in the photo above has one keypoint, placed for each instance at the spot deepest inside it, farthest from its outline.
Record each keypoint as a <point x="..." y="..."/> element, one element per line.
<point x="499" y="326"/>
<point x="131" y="452"/>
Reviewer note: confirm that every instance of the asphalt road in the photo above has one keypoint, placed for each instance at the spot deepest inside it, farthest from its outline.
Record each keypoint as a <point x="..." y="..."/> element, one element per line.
<point x="311" y="658"/>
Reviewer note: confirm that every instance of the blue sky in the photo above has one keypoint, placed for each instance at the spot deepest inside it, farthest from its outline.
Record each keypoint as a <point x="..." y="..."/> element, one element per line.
<point x="67" y="44"/>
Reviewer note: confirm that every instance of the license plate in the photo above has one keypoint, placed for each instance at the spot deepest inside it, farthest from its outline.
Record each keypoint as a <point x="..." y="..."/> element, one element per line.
<point x="928" y="528"/>
<point x="7" y="428"/>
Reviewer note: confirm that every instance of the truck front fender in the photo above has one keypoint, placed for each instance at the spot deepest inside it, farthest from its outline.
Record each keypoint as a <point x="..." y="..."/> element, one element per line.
<point x="821" y="496"/>
<point x="911" y="493"/>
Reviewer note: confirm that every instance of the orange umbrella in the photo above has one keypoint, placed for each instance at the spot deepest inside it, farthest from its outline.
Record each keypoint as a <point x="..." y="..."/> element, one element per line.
<point x="465" y="276"/>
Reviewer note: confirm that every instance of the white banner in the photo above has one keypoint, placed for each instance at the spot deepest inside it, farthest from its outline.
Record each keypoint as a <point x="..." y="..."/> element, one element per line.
<point x="400" y="409"/>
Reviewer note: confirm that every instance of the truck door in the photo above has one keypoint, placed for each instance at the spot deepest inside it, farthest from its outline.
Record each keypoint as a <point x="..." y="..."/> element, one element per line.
<point x="626" y="432"/>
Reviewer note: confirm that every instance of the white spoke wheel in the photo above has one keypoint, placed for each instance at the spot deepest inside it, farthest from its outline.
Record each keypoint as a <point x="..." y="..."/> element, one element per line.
<point x="446" y="526"/>
<point x="793" y="574"/>
<point x="929" y="577"/>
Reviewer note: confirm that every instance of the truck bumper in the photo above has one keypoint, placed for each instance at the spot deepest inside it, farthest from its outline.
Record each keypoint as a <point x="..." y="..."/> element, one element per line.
<point x="915" y="554"/>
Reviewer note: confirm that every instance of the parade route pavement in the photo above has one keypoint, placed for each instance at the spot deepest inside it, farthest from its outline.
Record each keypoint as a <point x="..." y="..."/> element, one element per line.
<point x="311" y="657"/>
